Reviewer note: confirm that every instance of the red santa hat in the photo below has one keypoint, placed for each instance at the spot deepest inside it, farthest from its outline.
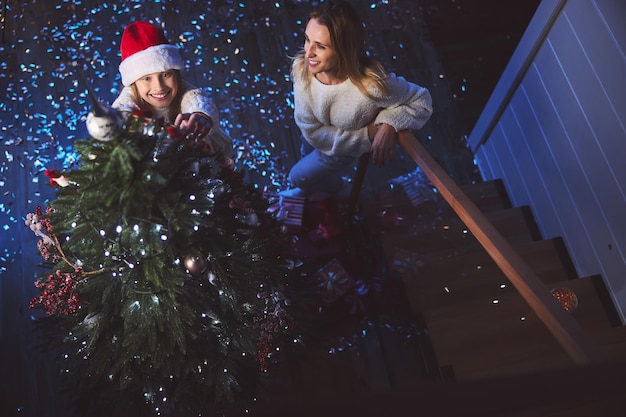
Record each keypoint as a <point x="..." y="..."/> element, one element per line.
<point x="146" y="50"/>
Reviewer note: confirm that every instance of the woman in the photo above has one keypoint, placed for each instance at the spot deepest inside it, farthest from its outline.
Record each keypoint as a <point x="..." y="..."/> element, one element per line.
<point x="346" y="104"/>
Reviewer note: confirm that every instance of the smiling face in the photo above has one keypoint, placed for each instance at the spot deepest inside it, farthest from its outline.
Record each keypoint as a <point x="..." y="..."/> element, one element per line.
<point x="320" y="54"/>
<point x="158" y="89"/>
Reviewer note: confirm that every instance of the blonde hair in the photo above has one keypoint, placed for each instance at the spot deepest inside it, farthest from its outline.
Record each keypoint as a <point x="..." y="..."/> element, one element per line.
<point x="174" y="108"/>
<point x="347" y="36"/>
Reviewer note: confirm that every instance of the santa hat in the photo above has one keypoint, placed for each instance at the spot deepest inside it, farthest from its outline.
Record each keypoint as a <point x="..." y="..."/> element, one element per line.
<point x="146" y="50"/>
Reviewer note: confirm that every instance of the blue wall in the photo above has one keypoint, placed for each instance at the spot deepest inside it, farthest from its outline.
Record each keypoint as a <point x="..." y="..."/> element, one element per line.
<point x="554" y="131"/>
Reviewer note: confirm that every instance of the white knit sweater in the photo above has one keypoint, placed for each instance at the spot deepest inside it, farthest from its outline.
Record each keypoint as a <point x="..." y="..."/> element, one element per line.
<point x="193" y="100"/>
<point x="334" y="118"/>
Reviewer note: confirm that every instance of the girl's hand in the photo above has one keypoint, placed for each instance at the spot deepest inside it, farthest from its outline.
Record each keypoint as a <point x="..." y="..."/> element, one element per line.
<point x="195" y="125"/>
<point x="383" y="144"/>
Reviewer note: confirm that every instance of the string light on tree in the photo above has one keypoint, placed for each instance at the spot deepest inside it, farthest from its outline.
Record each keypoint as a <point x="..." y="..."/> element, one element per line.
<point x="151" y="220"/>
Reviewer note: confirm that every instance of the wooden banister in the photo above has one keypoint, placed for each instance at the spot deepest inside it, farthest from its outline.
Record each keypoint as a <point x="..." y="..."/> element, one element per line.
<point x="560" y="323"/>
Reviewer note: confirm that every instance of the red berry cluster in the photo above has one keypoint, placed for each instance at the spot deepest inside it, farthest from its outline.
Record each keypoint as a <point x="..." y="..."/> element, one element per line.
<point x="48" y="251"/>
<point x="58" y="295"/>
<point x="267" y="326"/>
<point x="45" y="222"/>
<point x="272" y="323"/>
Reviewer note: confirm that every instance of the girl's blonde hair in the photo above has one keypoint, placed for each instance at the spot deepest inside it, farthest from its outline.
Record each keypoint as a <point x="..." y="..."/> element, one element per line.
<point x="347" y="37"/>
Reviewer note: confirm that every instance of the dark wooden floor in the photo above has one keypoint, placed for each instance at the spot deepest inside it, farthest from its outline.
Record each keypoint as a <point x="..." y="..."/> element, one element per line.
<point x="239" y="51"/>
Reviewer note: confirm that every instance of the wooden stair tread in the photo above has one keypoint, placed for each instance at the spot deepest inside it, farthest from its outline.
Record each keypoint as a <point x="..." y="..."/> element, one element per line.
<point x="450" y="236"/>
<point x="488" y="195"/>
<point x="516" y="224"/>
<point x="475" y="274"/>
<point x="595" y="315"/>
<point x="479" y="337"/>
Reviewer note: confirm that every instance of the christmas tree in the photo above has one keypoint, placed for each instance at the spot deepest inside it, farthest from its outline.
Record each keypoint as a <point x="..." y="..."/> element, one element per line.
<point x="170" y="286"/>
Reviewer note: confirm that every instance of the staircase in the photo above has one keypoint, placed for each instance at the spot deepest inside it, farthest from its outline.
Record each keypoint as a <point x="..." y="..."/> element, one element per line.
<point x="479" y="326"/>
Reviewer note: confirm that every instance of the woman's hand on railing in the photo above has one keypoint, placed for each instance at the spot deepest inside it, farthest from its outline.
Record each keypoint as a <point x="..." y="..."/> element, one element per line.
<point x="383" y="144"/>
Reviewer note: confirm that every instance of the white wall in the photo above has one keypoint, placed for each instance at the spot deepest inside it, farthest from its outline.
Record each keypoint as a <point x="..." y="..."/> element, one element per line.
<point x="554" y="131"/>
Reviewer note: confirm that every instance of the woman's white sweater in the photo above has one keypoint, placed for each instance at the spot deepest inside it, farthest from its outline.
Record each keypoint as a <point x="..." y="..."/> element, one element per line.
<point x="334" y="118"/>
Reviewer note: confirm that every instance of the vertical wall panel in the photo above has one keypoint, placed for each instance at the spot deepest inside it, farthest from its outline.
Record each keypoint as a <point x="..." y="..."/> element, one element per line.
<point x="513" y="159"/>
<point x="483" y="163"/>
<point x="539" y="198"/>
<point x="592" y="118"/>
<point x="569" y="200"/>
<point x="591" y="29"/>
<point x="494" y="160"/>
<point x="540" y="145"/>
<point x="613" y="12"/>
<point x="542" y="161"/>
<point x="569" y="110"/>
<point x="588" y="121"/>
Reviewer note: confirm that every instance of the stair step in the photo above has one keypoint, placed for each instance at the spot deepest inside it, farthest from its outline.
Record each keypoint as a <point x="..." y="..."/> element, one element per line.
<point x="465" y="276"/>
<point x="597" y="315"/>
<point x="516" y="224"/>
<point x="449" y="236"/>
<point x="479" y="337"/>
<point x="488" y="195"/>
<point x="408" y="354"/>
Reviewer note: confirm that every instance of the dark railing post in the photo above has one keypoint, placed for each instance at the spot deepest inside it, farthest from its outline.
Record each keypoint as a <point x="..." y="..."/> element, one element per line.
<point x="357" y="183"/>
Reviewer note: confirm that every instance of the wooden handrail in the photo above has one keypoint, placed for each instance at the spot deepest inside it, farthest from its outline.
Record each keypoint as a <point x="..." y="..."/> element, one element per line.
<point x="560" y="323"/>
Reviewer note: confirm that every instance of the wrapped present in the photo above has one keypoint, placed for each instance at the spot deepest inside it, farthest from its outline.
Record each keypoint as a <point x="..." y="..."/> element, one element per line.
<point x="323" y="220"/>
<point x="287" y="209"/>
<point x="416" y="186"/>
<point x="334" y="281"/>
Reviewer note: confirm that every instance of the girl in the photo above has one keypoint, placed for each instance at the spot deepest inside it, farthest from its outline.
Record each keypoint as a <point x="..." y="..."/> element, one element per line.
<point x="150" y="71"/>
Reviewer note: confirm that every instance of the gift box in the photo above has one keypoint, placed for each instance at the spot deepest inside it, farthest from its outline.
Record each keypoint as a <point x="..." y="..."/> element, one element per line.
<point x="323" y="220"/>
<point x="416" y="186"/>
<point x="334" y="281"/>
<point x="287" y="209"/>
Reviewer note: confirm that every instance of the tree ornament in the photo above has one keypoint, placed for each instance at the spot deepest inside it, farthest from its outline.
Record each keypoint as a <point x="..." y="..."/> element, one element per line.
<point x="212" y="278"/>
<point x="566" y="297"/>
<point x="103" y="123"/>
<point x="195" y="265"/>
<point x="56" y="178"/>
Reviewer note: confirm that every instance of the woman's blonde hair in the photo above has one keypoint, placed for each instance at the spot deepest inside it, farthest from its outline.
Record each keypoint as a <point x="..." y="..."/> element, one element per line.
<point x="174" y="109"/>
<point x="347" y="37"/>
